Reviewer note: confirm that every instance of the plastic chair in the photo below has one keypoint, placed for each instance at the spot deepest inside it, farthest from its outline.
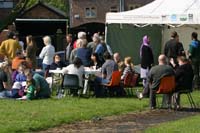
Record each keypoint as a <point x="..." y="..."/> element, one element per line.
<point x="114" y="84"/>
<point x="129" y="82"/>
<point x="167" y="86"/>
<point x="71" y="82"/>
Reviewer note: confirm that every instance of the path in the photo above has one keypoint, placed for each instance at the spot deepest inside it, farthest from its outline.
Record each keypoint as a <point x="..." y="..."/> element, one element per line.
<point x="127" y="123"/>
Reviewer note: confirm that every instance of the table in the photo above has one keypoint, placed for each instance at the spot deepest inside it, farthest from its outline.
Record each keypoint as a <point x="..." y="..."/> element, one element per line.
<point x="87" y="71"/>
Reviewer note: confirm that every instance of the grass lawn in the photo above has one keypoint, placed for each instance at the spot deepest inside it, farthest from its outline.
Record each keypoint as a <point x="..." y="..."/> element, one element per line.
<point x="24" y="116"/>
<point x="186" y="125"/>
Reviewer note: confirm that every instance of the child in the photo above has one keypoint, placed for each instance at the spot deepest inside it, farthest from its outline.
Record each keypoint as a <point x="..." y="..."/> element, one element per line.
<point x="30" y="87"/>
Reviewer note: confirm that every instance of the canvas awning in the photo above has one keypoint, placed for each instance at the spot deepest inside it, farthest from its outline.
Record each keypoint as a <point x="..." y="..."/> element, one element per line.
<point x="170" y="12"/>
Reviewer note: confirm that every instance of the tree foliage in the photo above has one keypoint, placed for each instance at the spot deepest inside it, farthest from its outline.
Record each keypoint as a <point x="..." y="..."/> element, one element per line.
<point x="60" y="4"/>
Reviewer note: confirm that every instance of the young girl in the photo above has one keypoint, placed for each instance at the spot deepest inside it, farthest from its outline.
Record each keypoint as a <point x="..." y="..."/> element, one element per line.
<point x="30" y="88"/>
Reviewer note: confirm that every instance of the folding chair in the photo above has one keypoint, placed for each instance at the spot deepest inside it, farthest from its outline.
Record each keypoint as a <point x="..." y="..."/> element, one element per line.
<point x="167" y="85"/>
<point x="189" y="96"/>
<point x="114" y="85"/>
<point x="71" y="82"/>
<point x="129" y="82"/>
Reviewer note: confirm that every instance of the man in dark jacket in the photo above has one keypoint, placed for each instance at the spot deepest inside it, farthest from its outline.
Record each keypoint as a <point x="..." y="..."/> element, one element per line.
<point x="171" y="47"/>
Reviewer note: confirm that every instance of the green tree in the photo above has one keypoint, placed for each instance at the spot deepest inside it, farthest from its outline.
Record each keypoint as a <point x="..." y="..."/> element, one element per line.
<point x="21" y="5"/>
<point x="60" y="4"/>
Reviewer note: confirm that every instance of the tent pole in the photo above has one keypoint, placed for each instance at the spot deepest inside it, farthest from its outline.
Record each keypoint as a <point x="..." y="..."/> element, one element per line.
<point x="106" y="32"/>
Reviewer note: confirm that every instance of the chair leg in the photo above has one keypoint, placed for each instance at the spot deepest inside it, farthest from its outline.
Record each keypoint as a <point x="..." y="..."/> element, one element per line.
<point x="191" y="101"/>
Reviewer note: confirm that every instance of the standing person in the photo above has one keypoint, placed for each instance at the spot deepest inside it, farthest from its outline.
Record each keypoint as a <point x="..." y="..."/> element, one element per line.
<point x="171" y="48"/>
<point x="106" y="46"/>
<point x="181" y="51"/>
<point x="147" y="61"/>
<point x="84" y="53"/>
<point x="99" y="49"/>
<point x="73" y="54"/>
<point x="10" y="46"/>
<point x="31" y="50"/>
<point x="47" y="53"/>
<point x="194" y="55"/>
<point x="21" y="43"/>
<point x="81" y="35"/>
<point x="92" y="45"/>
<point x="69" y="48"/>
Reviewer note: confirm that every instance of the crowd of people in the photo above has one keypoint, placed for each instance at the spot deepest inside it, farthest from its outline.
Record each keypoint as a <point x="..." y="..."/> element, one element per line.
<point x="183" y="65"/>
<point x="19" y="78"/>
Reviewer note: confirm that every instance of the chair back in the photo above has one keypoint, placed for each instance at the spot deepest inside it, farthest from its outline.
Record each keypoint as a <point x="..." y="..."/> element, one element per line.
<point x="70" y="80"/>
<point x="115" y="80"/>
<point x="130" y="79"/>
<point x="167" y="85"/>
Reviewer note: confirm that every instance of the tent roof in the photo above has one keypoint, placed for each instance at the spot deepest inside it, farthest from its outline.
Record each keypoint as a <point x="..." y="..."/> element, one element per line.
<point x="160" y="12"/>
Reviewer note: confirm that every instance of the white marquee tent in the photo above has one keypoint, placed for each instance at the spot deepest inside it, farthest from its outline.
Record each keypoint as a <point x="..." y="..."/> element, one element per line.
<point x="160" y="12"/>
<point x="180" y="15"/>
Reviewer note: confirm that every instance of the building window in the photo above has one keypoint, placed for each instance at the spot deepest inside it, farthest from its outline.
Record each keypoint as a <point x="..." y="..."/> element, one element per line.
<point x="90" y="12"/>
<point x="131" y="7"/>
<point x="6" y="3"/>
<point x="114" y="9"/>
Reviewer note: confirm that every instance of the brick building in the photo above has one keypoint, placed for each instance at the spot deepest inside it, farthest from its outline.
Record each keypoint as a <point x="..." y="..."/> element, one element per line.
<point x="89" y="15"/>
<point x="5" y="7"/>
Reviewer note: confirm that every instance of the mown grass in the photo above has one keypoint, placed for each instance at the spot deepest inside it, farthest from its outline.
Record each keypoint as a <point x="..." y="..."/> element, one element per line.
<point x="25" y="116"/>
<point x="185" y="125"/>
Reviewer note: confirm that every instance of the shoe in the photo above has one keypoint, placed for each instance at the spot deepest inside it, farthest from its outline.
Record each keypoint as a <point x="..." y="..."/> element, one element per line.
<point x="152" y="108"/>
<point x="139" y="95"/>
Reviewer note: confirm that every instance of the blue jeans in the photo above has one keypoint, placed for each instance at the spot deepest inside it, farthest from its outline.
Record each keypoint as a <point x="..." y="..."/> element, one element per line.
<point x="98" y="89"/>
<point x="45" y="67"/>
<point x="5" y="94"/>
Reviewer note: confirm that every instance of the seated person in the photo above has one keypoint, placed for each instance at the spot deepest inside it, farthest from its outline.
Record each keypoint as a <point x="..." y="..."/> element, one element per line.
<point x="17" y="60"/>
<point x="29" y="89"/>
<point x="184" y="77"/>
<point x="96" y="63"/>
<point x="4" y="81"/>
<point x="18" y="74"/>
<point x="75" y="68"/>
<point x="57" y="63"/>
<point x="128" y="67"/>
<point x="156" y="73"/>
<point x="42" y="87"/>
<point x="108" y="67"/>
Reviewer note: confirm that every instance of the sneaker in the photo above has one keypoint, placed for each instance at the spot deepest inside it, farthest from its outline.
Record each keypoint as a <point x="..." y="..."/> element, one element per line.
<point x="139" y="95"/>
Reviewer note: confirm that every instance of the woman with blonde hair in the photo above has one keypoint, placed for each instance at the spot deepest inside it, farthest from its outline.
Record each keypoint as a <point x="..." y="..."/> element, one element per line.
<point x="128" y="66"/>
<point x="31" y="50"/>
<point x="47" y="53"/>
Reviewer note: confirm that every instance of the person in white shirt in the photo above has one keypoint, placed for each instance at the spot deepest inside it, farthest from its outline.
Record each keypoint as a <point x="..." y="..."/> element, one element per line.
<point x="47" y="53"/>
<point x="75" y="68"/>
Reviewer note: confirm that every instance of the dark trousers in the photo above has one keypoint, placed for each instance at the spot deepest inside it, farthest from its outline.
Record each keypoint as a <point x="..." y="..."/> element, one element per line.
<point x="196" y="69"/>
